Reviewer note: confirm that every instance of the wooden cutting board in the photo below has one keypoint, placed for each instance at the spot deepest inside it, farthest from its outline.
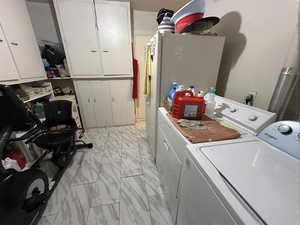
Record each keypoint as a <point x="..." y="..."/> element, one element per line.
<point x="214" y="132"/>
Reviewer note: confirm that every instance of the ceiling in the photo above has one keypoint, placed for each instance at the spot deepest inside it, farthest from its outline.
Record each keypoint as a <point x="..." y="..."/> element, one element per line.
<point x="155" y="5"/>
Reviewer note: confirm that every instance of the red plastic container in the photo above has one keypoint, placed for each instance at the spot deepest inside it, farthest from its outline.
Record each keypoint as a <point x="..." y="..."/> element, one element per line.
<point x="187" y="107"/>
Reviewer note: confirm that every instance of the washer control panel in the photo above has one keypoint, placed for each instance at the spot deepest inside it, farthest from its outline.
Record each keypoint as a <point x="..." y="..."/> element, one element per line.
<point x="248" y="117"/>
<point x="284" y="135"/>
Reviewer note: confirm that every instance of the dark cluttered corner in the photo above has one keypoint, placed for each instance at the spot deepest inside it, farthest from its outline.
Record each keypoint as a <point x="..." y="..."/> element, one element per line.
<point x="229" y="26"/>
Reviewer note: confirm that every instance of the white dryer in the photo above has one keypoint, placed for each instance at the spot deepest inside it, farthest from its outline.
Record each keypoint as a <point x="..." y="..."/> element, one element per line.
<point x="257" y="181"/>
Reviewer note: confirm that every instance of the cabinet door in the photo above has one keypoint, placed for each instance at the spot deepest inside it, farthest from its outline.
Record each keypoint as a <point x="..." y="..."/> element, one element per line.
<point x="170" y="168"/>
<point x="8" y="69"/>
<point x="79" y="31"/>
<point x="199" y="204"/>
<point x="102" y="103"/>
<point x="115" y="37"/>
<point x="84" y="93"/>
<point x="18" y="29"/>
<point x="122" y="102"/>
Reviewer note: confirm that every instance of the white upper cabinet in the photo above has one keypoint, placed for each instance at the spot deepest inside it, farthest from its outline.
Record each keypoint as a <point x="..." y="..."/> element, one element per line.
<point x="80" y="36"/>
<point x="8" y="70"/>
<point x="97" y="37"/>
<point x="113" y="20"/>
<point x="16" y="24"/>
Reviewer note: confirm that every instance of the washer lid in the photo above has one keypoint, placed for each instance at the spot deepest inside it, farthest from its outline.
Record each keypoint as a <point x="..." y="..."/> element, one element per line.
<point x="268" y="179"/>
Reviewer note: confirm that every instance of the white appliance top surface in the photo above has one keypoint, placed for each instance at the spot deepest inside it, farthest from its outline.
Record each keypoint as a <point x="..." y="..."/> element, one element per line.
<point x="268" y="179"/>
<point x="250" y="118"/>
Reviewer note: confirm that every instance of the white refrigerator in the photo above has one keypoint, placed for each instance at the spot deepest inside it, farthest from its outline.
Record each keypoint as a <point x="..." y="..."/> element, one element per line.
<point x="186" y="59"/>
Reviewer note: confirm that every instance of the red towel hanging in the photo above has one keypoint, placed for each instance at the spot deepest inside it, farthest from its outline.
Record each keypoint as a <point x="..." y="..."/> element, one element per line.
<point x="135" y="87"/>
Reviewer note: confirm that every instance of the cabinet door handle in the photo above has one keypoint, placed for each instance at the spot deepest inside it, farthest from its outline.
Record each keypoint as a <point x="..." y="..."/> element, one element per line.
<point x="14" y="43"/>
<point x="89" y="100"/>
<point x="94" y="100"/>
<point x="93" y="51"/>
<point x="1" y="40"/>
<point x="106" y="51"/>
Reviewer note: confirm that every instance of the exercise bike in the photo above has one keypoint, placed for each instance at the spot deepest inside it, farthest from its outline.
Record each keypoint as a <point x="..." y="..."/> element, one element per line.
<point x="24" y="195"/>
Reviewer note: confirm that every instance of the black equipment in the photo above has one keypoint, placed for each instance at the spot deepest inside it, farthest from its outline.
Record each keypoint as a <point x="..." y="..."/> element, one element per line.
<point x="162" y="13"/>
<point x="24" y="195"/>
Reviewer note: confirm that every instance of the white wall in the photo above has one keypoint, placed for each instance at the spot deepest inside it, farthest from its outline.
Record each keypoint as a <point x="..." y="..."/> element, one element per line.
<point x="258" y="36"/>
<point x="42" y="21"/>
<point x="144" y="22"/>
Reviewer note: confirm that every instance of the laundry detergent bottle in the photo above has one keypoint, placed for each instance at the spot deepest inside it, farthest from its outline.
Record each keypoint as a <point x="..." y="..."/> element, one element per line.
<point x="173" y="89"/>
<point x="187" y="106"/>
<point x="210" y="103"/>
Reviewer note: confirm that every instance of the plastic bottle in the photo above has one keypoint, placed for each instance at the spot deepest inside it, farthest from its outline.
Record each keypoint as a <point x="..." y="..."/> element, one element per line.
<point x="192" y="88"/>
<point x="180" y="88"/>
<point x="171" y="92"/>
<point x="38" y="109"/>
<point x="210" y="103"/>
<point x="201" y="94"/>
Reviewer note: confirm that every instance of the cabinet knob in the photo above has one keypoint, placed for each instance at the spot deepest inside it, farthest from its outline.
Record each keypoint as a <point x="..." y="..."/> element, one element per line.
<point x="1" y="40"/>
<point x="14" y="43"/>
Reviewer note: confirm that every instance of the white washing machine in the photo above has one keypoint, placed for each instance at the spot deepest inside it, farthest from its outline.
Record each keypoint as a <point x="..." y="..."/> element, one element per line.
<point x="256" y="181"/>
<point x="183" y="183"/>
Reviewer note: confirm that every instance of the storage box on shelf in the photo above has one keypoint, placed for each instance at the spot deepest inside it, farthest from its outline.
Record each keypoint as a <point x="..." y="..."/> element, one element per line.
<point x="33" y="91"/>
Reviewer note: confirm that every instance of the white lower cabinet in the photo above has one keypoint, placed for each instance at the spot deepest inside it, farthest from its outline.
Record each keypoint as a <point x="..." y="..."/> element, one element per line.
<point x="199" y="204"/>
<point x="169" y="166"/>
<point x="105" y="103"/>
<point x="189" y="195"/>
<point x="122" y="103"/>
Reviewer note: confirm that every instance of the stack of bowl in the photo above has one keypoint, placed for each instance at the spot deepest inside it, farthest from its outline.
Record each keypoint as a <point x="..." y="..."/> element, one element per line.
<point x="166" y="25"/>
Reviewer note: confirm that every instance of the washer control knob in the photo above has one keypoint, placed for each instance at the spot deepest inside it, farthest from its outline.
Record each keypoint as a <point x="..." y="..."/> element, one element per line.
<point x="233" y="110"/>
<point x="253" y="118"/>
<point x="285" y="129"/>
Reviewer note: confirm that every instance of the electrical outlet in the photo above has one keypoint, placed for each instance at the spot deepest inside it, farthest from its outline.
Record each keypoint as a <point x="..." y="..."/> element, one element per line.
<point x="250" y="98"/>
<point x="253" y="93"/>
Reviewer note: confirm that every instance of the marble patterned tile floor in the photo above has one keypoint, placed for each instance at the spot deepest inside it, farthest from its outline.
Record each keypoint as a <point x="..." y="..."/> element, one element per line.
<point x="115" y="183"/>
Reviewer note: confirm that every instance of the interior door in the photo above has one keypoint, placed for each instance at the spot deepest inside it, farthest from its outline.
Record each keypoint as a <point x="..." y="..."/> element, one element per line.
<point x="8" y="69"/>
<point x="86" y="103"/>
<point x="169" y="166"/>
<point x="102" y="103"/>
<point x="16" y="24"/>
<point x="80" y="36"/>
<point x="122" y="102"/>
<point x="114" y="33"/>
<point x="199" y="205"/>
